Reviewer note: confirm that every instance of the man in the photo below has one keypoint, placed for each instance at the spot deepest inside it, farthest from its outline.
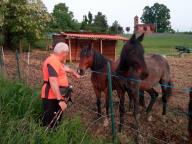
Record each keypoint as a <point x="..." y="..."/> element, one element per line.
<point x="55" y="81"/>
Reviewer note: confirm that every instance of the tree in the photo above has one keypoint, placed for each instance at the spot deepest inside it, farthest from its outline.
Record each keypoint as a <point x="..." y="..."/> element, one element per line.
<point x="23" y="18"/>
<point x="90" y="18"/>
<point x="159" y="15"/>
<point x="63" y="19"/>
<point x="87" y="23"/>
<point x="100" y="23"/>
<point x="116" y="28"/>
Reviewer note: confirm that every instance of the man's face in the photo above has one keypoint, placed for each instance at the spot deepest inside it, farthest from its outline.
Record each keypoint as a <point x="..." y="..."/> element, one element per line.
<point x="63" y="56"/>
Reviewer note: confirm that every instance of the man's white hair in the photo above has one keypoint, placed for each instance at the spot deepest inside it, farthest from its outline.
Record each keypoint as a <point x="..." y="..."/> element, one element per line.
<point x="61" y="47"/>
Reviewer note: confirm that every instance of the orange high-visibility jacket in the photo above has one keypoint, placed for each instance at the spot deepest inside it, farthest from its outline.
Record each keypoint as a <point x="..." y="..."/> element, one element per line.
<point x="47" y="91"/>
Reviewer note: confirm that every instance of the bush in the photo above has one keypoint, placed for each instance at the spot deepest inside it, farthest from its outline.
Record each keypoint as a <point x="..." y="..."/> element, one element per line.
<point x="20" y="110"/>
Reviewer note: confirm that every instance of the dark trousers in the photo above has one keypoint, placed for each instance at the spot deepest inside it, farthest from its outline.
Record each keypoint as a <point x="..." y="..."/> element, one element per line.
<point x="50" y="107"/>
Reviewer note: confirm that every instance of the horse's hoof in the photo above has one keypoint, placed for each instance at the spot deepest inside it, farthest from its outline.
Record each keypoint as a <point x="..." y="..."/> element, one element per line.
<point x="138" y="116"/>
<point x="139" y="139"/>
<point x="149" y="118"/>
<point x="164" y="118"/>
<point x="106" y="122"/>
<point x="122" y="138"/>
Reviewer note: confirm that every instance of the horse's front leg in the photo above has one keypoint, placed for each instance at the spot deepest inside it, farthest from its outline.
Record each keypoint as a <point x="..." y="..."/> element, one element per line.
<point x="134" y="93"/>
<point x="154" y="96"/>
<point x="98" y="97"/>
<point x="106" y="121"/>
<point x="142" y="98"/>
<point x="121" y="94"/>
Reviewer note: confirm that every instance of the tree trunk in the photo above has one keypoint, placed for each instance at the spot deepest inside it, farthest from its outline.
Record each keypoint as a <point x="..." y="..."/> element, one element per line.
<point x="20" y="46"/>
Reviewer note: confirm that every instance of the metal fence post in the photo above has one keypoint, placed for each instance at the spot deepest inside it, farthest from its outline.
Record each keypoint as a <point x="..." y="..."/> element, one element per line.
<point x="18" y="68"/>
<point x="111" y="101"/>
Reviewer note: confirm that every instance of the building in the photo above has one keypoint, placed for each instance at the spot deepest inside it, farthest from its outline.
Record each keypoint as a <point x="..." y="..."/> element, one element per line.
<point x="104" y="43"/>
<point x="143" y="28"/>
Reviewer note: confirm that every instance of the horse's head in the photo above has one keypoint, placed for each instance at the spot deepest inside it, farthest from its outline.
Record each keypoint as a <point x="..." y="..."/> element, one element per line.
<point x="86" y="60"/>
<point x="132" y="56"/>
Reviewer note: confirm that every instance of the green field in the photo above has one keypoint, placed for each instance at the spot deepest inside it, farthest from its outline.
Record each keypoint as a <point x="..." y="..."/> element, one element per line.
<point x="153" y="43"/>
<point x="163" y="43"/>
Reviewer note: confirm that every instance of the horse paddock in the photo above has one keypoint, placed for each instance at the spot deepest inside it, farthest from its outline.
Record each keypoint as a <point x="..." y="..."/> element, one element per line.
<point x="170" y="129"/>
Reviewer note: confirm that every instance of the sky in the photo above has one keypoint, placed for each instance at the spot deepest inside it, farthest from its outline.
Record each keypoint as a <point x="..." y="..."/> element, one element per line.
<point x="124" y="11"/>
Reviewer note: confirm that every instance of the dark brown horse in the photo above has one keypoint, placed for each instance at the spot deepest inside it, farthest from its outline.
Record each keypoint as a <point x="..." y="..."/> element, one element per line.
<point x="90" y="58"/>
<point x="144" y="72"/>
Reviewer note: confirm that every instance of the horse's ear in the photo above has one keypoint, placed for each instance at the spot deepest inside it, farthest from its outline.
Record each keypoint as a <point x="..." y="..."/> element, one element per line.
<point x="133" y="37"/>
<point x="141" y="37"/>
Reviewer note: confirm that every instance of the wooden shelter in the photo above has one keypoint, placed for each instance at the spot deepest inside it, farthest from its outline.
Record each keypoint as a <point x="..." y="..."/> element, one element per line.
<point x="104" y="43"/>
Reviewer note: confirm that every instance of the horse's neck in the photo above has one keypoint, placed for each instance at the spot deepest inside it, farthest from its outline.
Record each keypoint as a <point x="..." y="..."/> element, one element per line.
<point x="99" y="62"/>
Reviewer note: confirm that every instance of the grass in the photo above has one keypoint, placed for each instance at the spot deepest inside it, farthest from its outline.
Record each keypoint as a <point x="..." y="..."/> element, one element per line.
<point x="20" y="112"/>
<point x="163" y="43"/>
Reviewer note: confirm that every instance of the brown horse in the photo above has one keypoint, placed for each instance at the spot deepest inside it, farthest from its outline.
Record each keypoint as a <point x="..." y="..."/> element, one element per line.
<point x="144" y="72"/>
<point x="90" y="58"/>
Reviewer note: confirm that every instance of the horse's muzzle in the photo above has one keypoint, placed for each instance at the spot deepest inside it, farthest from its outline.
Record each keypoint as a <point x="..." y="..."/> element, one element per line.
<point x="80" y="71"/>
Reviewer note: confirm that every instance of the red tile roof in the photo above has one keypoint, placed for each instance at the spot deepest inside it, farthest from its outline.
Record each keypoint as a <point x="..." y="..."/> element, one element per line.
<point x="94" y="36"/>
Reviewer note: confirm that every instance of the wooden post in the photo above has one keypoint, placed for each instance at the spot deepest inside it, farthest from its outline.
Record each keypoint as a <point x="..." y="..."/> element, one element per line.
<point x="190" y="117"/>
<point x="101" y="46"/>
<point x="70" y="59"/>
<point x="116" y="42"/>
<point x="3" y="56"/>
<point x="92" y="43"/>
<point x="28" y="62"/>
<point x="28" y="54"/>
<point x="18" y="68"/>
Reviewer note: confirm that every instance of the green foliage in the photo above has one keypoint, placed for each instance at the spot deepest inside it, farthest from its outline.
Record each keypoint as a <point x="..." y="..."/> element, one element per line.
<point x="100" y="23"/>
<point x="20" y="115"/>
<point x="90" y="18"/>
<point x="63" y="19"/>
<point x="159" y="15"/>
<point x="116" y="28"/>
<point x="24" y="18"/>
<point x="42" y="43"/>
<point x="87" y="23"/>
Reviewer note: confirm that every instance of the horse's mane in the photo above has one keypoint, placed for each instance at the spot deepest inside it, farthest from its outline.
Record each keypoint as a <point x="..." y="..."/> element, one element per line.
<point x="99" y="61"/>
<point x="132" y="55"/>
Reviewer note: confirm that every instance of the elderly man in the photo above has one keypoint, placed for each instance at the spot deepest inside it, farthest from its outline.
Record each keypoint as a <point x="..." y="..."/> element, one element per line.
<point x="55" y="83"/>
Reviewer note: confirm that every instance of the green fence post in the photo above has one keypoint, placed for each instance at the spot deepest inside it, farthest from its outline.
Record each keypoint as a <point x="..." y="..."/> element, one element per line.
<point x="18" y="68"/>
<point x="111" y="100"/>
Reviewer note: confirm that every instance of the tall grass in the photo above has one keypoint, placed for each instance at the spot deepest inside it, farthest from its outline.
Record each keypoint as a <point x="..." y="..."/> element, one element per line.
<point x="20" y="119"/>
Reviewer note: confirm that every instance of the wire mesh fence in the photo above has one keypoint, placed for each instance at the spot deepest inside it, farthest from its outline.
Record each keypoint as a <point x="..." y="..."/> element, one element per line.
<point x="27" y="68"/>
